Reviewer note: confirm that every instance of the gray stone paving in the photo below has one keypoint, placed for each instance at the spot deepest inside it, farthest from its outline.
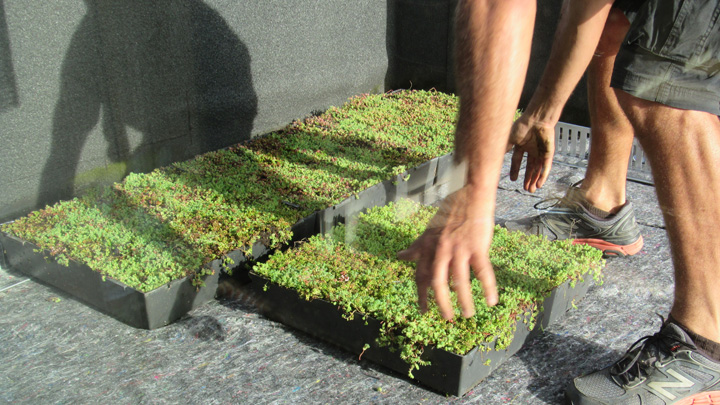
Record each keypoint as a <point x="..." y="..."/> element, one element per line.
<point x="57" y="350"/>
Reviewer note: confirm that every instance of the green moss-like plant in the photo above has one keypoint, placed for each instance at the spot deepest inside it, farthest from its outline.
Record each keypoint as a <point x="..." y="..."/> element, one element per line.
<point x="355" y="268"/>
<point x="153" y="228"/>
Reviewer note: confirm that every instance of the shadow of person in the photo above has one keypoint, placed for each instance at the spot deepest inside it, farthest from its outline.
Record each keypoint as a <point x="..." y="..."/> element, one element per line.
<point x="206" y="328"/>
<point x="166" y="80"/>
<point x="556" y="359"/>
<point x="8" y="84"/>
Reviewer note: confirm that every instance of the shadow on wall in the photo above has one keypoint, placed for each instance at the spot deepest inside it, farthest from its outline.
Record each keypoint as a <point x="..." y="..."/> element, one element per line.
<point x="8" y="86"/>
<point x="166" y="80"/>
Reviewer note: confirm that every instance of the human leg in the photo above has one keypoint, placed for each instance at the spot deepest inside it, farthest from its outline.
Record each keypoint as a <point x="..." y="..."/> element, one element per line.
<point x="682" y="361"/>
<point x="683" y="147"/>
<point x="612" y="134"/>
<point x="668" y="89"/>
<point x="596" y="213"/>
<point x="671" y="100"/>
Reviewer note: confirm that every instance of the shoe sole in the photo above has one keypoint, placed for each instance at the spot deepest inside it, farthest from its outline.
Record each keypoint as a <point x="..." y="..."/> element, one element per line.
<point x="611" y="249"/>
<point x="703" y="398"/>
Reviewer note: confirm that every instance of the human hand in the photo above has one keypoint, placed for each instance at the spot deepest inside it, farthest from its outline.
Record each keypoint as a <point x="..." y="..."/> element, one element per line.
<point x="457" y="239"/>
<point x="537" y="139"/>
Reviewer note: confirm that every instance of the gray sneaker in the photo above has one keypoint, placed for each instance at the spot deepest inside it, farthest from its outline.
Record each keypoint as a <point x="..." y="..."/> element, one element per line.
<point x="618" y="235"/>
<point x="665" y="368"/>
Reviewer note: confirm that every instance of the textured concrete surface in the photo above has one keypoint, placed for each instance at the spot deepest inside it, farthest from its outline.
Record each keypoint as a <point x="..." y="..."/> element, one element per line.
<point x="57" y="350"/>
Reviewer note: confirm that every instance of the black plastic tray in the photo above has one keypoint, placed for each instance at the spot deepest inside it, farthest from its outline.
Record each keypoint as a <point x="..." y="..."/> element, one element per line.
<point x="147" y="310"/>
<point x="448" y="372"/>
<point x="425" y="183"/>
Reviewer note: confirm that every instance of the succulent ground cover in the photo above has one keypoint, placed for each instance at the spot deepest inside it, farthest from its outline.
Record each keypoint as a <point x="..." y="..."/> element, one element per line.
<point x="153" y="228"/>
<point x="355" y="268"/>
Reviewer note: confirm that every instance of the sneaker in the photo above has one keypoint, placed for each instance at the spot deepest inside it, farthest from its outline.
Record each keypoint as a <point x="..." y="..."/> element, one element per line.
<point x="568" y="218"/>
<point x="665" y="368"/>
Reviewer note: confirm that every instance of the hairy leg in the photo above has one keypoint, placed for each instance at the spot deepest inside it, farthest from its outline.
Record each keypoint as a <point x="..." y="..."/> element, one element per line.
<point x="612" y="134"/>
<point x="683" y="148"/>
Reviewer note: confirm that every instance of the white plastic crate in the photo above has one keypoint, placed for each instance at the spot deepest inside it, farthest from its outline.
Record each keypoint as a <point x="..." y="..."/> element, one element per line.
<point x="572" y="147"/>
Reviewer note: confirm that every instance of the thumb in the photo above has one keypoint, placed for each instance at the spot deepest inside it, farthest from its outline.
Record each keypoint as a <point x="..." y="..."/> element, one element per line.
<point x="410" y="254"/>
<point x="516" y="162"/>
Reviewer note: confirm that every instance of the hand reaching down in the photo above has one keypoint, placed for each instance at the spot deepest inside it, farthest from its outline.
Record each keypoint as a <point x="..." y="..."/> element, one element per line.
<point x="456" y="240"/>
<point x="537" y="140"/>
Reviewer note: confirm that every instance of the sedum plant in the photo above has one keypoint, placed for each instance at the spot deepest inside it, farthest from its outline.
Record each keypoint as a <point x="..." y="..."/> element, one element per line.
<point x="156" y="227"/>
<point x="354" y="267"/>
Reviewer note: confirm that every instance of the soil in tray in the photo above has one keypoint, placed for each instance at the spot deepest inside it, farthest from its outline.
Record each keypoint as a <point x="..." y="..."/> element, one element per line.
<point x="354" y="268"/>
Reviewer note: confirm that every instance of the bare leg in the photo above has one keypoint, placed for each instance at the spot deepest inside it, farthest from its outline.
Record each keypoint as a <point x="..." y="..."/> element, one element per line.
<point x="683" y="148"/>
<point x="612" y="134"/>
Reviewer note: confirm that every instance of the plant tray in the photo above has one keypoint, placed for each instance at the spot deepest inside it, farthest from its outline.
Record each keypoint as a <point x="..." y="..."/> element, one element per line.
<point x="426" y="184"/>
<point x="145" y="310"/>
<point x="448" y="372"/>
<point x="348" y="288"/>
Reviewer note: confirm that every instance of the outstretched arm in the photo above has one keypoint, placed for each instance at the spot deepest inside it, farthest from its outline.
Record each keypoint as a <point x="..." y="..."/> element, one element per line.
<point x="492" y="51"/>
<point x="577" y="35"/>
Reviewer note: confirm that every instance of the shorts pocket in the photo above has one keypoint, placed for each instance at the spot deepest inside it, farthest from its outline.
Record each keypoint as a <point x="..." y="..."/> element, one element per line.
<point x="681" y="30"/>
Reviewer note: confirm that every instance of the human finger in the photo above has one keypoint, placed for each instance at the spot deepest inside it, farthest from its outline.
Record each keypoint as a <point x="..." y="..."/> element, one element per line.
<point x="547" y="165"/>
<point x="439" y="283"/>
<point x="422" y="282"/>
<point x="411" y="254"/>
<point x="532" y="174"/>
<point x="515" y="163"/>
<point x="423" y="275"/>
<point x="484" y="272"/>
<point x="461" y="285"/>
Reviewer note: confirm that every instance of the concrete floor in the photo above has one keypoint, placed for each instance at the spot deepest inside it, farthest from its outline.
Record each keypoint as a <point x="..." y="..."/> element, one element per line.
<point x="57" y="350"/>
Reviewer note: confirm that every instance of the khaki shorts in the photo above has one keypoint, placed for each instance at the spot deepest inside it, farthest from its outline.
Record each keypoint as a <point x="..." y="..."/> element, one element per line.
<point x="671" y="54"/>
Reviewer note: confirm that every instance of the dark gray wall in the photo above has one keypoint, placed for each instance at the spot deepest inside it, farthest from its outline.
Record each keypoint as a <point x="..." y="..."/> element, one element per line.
<point x="8" y="88"/>
<point x="419" y="44"/>
<point x="420" y="38"/>
<point x="575" y="111"/>
<point x="93" y="89"/>
<point x="90" y="90"/>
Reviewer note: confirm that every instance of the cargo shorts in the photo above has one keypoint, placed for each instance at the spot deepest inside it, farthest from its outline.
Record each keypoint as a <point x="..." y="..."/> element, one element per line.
<point x="671" y="54"/>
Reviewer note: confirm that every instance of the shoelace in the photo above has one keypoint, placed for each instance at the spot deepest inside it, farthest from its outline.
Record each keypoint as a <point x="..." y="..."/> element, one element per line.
<point x="556" y="202"/>
<point x="563" y="201"/>
<point x="654" y="347"/>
